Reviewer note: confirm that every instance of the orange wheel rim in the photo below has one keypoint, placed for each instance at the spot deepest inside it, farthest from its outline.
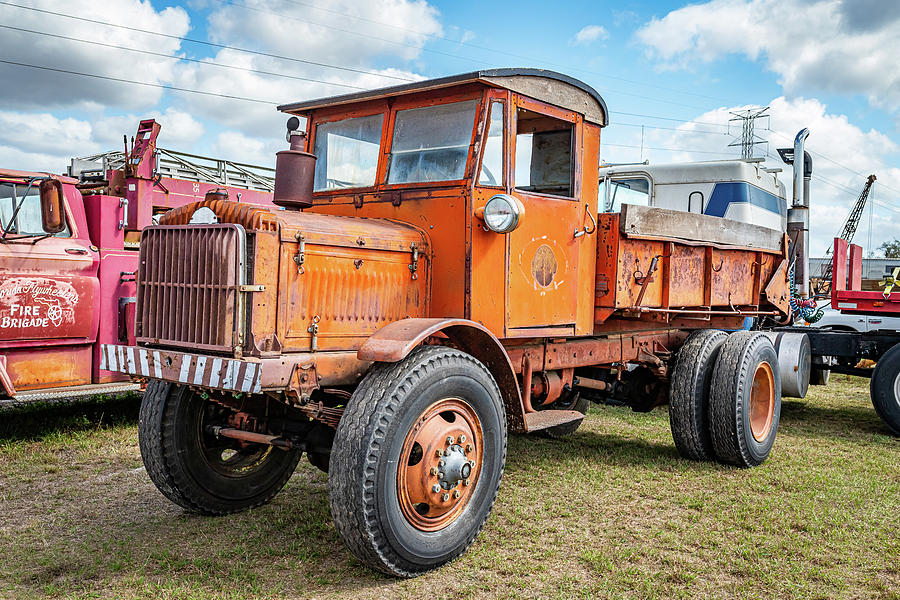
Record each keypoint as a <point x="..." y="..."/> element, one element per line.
<point x="762" y="402"/>
<point x="440" y="464"/>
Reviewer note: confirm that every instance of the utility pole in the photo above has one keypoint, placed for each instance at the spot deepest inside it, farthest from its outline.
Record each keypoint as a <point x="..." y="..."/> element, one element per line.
<point x="748" y="138"/>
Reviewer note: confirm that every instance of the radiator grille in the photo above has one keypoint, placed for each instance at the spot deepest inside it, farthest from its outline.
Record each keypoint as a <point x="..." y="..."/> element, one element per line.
<point x="188" y="286"/>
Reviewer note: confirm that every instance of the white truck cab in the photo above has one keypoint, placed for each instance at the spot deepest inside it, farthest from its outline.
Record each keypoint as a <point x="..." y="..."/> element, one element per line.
<point x="742" y="189"/>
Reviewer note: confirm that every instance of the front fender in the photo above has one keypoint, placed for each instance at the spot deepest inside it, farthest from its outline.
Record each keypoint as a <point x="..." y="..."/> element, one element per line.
<point x="393" y="342"/>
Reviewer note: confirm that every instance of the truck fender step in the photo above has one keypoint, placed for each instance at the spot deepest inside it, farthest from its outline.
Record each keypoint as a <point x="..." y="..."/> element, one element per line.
<point x="550" y="418"/>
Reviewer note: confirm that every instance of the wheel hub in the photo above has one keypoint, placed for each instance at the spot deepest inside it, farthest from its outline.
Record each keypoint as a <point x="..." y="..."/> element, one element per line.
<point x="439" y="464"/>
<point x="762" y="402"/>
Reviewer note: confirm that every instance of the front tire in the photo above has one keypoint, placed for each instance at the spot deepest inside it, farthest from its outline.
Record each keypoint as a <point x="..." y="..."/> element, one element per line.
<point x="196" y="470"/>
<point x="745" y="400"/>
<point x="407" y="493"/>
<point x="885" y="388"/>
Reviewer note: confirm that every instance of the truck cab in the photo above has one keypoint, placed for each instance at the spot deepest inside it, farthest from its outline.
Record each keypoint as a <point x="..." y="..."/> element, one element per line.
<point x="741" y="190"/>
<point x="442" y="273"/>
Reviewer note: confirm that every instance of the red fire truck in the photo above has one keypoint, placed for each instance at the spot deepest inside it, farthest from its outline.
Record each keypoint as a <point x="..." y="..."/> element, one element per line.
<point x="69" y="251"/>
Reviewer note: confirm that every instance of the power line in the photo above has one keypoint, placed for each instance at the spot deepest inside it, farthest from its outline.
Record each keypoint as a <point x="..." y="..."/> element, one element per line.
<point x="144" y="83"/>
<point x="207" y="43"/>
<point x="664" y="149"/>
<point x="179" y="58"/>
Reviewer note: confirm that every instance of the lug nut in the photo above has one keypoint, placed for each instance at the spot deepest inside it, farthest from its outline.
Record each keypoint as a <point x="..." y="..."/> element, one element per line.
<point x="467" y="482"/>
<point x="456" y="494"/>
<point x="462" y="438"/>
<point x="472" y="462"/>
<point x="441" y="463"/>
<point x="438" y="453"/>
<point x="435" y="488"/>
<point x="434" y="470"/>
<point x="445" y="497"/>
<point x="469" y="447"/>
<point x="450" y="439"/>
<point x="440" y="475"/>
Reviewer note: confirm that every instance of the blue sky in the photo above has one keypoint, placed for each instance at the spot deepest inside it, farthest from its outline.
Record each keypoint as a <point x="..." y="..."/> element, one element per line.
<point x="678" y="69"/>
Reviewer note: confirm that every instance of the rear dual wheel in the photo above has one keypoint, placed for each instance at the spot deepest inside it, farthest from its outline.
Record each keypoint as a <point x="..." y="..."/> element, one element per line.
<point x="417" y="461"/>
<point x="725" y="397"/>
<point x="745" y="400"/>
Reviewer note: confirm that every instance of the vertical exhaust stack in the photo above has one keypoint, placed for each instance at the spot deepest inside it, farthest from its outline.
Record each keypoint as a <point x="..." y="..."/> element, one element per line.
<point x="295" y="171"/>
<point x="798" y="214"/>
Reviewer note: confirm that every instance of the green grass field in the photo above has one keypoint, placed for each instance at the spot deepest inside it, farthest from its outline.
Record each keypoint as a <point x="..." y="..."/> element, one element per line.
<point x="612" y="512"/>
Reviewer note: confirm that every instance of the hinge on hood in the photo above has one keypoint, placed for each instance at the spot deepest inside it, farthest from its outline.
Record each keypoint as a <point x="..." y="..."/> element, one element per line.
<point x="414" y="265"/>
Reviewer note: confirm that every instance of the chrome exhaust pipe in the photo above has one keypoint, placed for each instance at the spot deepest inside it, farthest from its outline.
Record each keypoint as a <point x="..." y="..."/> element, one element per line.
<point x="798" y="215"/>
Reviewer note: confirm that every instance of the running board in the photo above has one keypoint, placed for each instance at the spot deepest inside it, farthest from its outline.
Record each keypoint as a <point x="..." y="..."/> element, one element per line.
<point x="68" y="394"/>
<point x="550" y="418"/>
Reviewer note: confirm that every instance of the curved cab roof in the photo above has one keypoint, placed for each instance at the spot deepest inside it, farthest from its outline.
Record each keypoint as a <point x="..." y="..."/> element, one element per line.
<point x="547" y="86"/>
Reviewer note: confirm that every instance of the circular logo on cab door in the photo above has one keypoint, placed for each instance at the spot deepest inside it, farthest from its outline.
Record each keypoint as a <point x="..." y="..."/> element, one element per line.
<point x="544" y="265"/>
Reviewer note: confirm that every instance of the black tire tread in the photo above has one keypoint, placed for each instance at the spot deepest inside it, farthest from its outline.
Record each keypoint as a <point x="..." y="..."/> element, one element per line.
<point x="376" y="400"/>
<point x="689" y="396"/>
<point x="881" y="390"/>
<point x="726" y="397"/>
<point x="156" y="431"/>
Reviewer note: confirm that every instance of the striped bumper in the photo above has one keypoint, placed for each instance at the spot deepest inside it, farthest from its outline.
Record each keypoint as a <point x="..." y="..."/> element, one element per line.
<point x="178" y="367"/>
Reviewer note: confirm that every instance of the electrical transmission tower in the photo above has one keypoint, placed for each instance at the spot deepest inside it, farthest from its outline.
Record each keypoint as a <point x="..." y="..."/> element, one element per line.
<point x="847" y="233"/>
<point x="748" y="138"/>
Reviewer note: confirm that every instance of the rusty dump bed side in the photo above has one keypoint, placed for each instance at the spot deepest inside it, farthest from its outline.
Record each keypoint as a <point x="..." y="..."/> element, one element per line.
<point x="665" y="265"/>
<point x="261" y="282"/>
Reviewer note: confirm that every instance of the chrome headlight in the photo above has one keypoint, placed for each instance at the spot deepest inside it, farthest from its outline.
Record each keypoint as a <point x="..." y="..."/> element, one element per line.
<point x="502" y="213"/>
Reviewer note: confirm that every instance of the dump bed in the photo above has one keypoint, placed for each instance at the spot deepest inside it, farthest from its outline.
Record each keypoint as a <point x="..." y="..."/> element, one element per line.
<point x="674" y="264"/>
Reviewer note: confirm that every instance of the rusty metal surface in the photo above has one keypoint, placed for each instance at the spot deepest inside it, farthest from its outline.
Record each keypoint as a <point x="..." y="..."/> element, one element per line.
<point x="440" y="464"/>
<point x="248" y="216"/>
<point x="549" y="418"/>
<point x="294" y="174"/>
<point x="187" y="293"/>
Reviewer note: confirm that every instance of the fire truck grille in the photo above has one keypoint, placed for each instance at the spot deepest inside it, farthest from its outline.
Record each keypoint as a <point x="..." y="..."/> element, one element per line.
<point x="188" y="284"/>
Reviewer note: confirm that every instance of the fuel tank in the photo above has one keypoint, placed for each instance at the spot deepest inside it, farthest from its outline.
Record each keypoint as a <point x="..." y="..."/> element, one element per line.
<point x="226" y="277"/>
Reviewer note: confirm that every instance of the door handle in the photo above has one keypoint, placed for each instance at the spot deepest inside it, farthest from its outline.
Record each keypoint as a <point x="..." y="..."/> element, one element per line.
<point x="81" y="251"/>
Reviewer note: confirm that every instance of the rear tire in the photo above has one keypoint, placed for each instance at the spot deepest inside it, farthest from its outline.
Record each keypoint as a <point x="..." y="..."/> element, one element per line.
<point x="745" y="400"/>
<point x="885" y="388"/>
<point x="382" y="488"/>
<point x="197" y="471"/>
<point x="689" y="393"/>
<point x="819" y="376"/>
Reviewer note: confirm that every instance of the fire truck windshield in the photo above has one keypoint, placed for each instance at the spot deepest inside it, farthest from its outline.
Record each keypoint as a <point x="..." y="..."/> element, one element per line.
<point x="20" y="210"/>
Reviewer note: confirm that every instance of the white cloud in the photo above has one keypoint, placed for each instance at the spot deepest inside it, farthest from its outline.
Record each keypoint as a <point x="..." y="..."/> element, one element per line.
<point x="843" y="46"/>
<point x="29" y="88"/>
<point x="857" y="152"/>
<point x="390" y="32"/>
<point x="589" y="34"/>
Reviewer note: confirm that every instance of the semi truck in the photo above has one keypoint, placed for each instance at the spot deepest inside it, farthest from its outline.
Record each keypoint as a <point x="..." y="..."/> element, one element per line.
<point x="443" y="273"/>
<point x="69" y="253"/>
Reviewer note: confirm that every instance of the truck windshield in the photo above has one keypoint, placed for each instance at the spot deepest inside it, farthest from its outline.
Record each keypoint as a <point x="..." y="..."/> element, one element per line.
<point x="431" y="143"/>
<point x="28" y="219"/>
<point x="347" y="153"/>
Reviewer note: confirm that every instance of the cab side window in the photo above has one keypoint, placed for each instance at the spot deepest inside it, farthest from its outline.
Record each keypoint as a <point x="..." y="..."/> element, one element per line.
<point x="27" y="221"/>
<point x="492" y="161"/>
<point x="625" y="190"/>
<point x="544" y="156"/>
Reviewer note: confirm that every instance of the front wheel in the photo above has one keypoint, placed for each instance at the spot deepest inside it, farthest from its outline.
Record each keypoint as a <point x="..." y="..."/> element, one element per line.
<point x="885" y="388"/>
<point x="197" y="470"/>
<point x="417" y="461"/>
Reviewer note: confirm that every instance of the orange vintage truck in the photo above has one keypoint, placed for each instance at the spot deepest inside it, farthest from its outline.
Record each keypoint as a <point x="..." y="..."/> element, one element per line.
<point x="441" y="275"/>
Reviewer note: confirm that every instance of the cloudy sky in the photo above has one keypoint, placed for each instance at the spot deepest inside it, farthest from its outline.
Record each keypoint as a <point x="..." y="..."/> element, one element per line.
<point x="77" y="76"/>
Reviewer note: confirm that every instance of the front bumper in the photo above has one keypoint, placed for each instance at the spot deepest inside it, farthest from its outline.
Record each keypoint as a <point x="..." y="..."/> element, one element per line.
<point x="303" y="372"/>
<point x="178" y="367"/>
